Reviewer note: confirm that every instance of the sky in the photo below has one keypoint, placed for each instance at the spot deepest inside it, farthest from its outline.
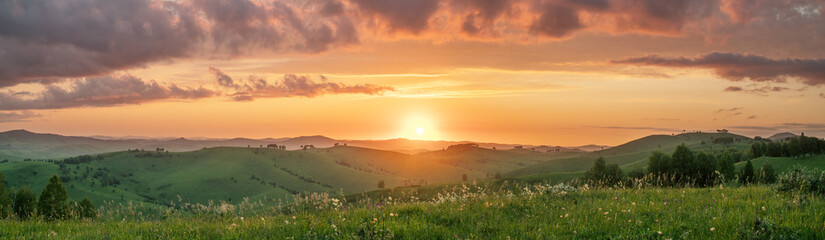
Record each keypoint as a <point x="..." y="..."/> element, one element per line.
<point x="556" y="72"/>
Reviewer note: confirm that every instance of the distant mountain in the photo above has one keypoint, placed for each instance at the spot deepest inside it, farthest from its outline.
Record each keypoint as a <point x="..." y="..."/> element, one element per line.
<point x="782" y="136"/>
<point x="21" y="144"/>
<point x="592" y="147"/>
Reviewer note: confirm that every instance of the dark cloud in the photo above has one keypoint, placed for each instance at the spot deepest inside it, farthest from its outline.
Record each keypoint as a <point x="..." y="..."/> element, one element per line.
<point x="20" y="116"/>
<point x="738" y="67"/>
<point x="290" y="86"/>
<point x="401" y="15"/>
<point x="822" y="95"/>
<point x="556" y="21"/>
<point x="733" y="89"/>
<point x="752" y="117"/>
<point x="99" y="92"/>
<point x="49" y="39"/>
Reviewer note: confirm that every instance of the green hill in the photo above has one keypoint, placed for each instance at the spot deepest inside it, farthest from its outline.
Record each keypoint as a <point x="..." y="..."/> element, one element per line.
<point x="634" y="153"/>
<point x="231" y="173"/>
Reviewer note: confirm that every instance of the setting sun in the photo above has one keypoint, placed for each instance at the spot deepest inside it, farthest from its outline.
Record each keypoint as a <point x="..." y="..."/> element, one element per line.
<point x="419" y="131"/>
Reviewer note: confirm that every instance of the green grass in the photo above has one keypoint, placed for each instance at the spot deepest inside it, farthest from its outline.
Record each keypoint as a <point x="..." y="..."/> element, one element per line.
<point x="783" y="164"/>
<point x="538" y="213"/>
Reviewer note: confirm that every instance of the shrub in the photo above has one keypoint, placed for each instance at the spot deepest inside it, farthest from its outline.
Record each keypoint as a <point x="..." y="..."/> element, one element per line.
<point x="803" y="181"/>
<point x="24" y="203"/>
<point x="86" y="209"/>
<point x="5" y="200"/>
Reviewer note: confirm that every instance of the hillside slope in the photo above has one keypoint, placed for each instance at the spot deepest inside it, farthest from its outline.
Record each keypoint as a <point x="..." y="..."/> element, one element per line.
<point x="632" y="153"/>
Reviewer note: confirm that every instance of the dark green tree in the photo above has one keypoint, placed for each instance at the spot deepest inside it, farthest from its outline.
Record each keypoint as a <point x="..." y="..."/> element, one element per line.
<point x="24" y="203"/>
<point x="381" y="184"/>
<point x="705" y="169"/>
<point x="683" y="163"/>
<point x="464" y="177"/>
<point x="746" y="176"/>
<point x="726" y="166"/>
<point x="659" y="164"/>
<point x="52" y="202"/>
<point x="5" y="199"/>
<point x="766" y="174"/>
<point x="603" y="174"/>
<point x="86" y="209"/>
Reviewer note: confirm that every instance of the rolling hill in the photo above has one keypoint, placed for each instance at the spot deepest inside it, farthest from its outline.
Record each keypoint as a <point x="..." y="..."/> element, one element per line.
<point x="22" y="144"/>
<point x="632" y="154"/>
<point x="230" y="173"/>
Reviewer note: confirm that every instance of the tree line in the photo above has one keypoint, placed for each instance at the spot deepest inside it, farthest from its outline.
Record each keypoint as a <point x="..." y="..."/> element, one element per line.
<point x="680" y="168"/>
<point x="793" y="147"/>
<point x="53" y="203"/>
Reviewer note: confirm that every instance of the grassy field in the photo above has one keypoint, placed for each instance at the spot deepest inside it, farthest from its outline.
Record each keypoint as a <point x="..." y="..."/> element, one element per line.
<point x="535" y="212"/>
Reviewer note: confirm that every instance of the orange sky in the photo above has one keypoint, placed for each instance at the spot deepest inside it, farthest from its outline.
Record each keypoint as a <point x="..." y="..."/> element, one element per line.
<point x="535" y="72"/>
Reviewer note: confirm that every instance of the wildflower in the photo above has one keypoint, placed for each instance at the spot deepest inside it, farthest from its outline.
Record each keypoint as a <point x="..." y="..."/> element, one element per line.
<point x="660" y="232"/>
<point x="565" y="215"/>
<point x="293" y="217"/>
<point x="605" y="213"/>
<point x="633" y="203"/>
<point x="712" y="229"/>
<point x="763" y="208"/>
<point x="628" y="220"/>
<point x="241" y="218"/>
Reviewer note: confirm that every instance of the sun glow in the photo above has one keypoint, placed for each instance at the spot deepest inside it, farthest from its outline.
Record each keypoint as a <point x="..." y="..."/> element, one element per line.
<point x="418" y="127"/>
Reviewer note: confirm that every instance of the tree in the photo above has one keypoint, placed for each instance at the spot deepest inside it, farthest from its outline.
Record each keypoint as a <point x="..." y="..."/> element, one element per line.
<point x="52" y="202"/>
<point x="683" y="163"/>
<point x="603" y="174"/>
<point x="726" y="166"/>
<point x="464" y="177"/>
<point x="24" y="203"/>
<point x="498" y="175"/>
<point x="746" y="176"/>
<point x="5" y="200"/>
<point x="766" y="174"/>
<point x="705" y="168"/>
<point x="381" y="184"/>
<point x="659" y="164"/>
<point x="86" y="209"/>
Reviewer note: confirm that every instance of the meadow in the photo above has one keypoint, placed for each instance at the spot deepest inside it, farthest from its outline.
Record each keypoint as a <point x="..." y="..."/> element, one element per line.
<point x="472" y="211"/>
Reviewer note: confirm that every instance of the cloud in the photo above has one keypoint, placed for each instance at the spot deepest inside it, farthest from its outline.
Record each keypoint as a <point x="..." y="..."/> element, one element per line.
<point x="738" y="67"/>
<point x="290" y="86"/>
<point x="733" y="109"/>
<point x="752" y="117"/>
<point x="556" y="21"/>
<point x="100" y="92"/>
<point x="48" y="39"/>
<point x="822" y="95"/>
<point x="20" y="116"/>
<point x="734" y="89"/>
<point x="400" y="15"/>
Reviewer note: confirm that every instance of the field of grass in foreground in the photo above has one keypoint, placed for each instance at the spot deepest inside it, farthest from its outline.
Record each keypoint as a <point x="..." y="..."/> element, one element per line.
<point x="536" y="212"/>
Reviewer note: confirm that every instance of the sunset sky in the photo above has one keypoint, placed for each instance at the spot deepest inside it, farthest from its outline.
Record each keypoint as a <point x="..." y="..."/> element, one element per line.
<point x="560" y="72"/>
